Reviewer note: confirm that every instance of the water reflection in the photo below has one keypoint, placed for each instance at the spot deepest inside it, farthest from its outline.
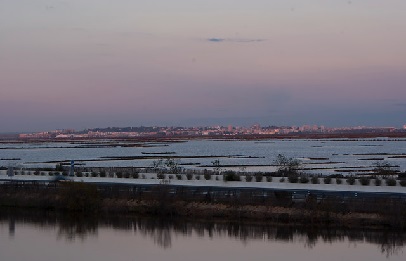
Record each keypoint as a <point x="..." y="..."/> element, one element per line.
<point x="162" y="231"/>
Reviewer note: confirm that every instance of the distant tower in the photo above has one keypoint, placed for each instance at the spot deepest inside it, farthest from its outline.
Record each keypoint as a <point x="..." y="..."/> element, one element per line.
<point x="10" y="171"/>
<point x="72" y="168"/>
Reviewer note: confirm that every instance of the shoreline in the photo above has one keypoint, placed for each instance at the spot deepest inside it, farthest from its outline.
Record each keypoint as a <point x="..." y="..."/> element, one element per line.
<point x="373" y="213"/>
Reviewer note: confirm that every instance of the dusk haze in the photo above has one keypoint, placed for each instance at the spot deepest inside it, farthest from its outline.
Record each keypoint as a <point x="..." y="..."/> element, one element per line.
<point x="97" y="63"/>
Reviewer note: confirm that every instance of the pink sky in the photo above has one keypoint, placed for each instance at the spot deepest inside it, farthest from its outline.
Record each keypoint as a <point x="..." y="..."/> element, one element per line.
<point x="81" y="64"/>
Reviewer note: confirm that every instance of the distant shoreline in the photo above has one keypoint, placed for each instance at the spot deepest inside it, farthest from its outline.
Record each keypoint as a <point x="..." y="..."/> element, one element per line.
<point x="15" y="138"/>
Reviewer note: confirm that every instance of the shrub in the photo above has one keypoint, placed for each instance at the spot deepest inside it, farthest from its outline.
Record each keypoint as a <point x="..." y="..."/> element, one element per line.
<point x="207" y="176"/>
<point x="248" y="177"/>
<point x="304" y="179"/>
<point x="268" y="179"/>
<point x="391" y="182"/>
<point x="36" y="173"/>
<point x="22" y="172"/>
<point x="170" y="177"/>
<point x="377" y="181"/>
<point x="93" y="174"/>
<point x="126" y="175"/>
<point x="160" y="176"/>
<point x="79" y="174"/>
<point x="258" y="177"/>
<point x="402" y="183"/>
<point x="339" y="181"/>
<point x="119" y="174"/>
<point x="315" y="180"/>
<point x="189" y="176"/>
<point x="282" y="180"/>
<point x="143" y="176"/>
<point x="64" y="173"/>
<point x="42" y="173"/>
<point x="327" y="180"/>
<point x="217" y="178"/>
<point x="231" y="176"/>
<point x="364" y="181"/>
<point x="350" y="180"/>
<point x="293" y="179"/>
<point x="102" y="174"/>
<point x="179" y="176"/>
<point x="197" y="177"/>
<point x="136" y="175"/>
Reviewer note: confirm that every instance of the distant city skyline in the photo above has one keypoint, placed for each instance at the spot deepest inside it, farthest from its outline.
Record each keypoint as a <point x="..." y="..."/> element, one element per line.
<point x="96" y="63"/>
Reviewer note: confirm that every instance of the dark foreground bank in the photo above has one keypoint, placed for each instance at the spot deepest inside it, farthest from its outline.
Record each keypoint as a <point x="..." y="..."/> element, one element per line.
<point x="232" y="205"/>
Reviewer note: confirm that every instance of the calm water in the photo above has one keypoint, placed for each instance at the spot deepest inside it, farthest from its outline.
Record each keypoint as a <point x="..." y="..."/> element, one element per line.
<point x="319" y="156"/>
<point x="44" y="236"/>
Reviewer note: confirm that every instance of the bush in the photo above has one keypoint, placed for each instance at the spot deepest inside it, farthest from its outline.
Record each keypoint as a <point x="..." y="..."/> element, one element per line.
<point x="248" y="177"/>
<point x="268" y="179"/>
<point x="64" y="173"/>
<point x="391" y="182"/>
<point x="217" y="178"/>
<point x="339" y="181"/>
<point x="79" y="174"/>
<point x="282" y="180"/>
<point x="179" y="176"/>
<point x="136" y="175"/>
<point x="350" y="180"/>
<point x="402" y="183"/>
<point x="231" y="176"/>
<point x="327" y="180"/>
<point x="197" y="177"/>
<point x="315" y="180"/>
<point x="36" y="173"/>
<point x="126" y="175"/>
<point x="293" y="179"/>
<point x="102" y="174"/>
<point x="170" y="177"/>
<point x="189" y="176"/>
<point x="258" y="177"/>
<point x="304" y="179"/>
<point x="377" y="181"/>
<point x="93" y="174"/>
<point x="364" y="181"/>
<point x="160" y="176"/>
<point x="207" y="176"/>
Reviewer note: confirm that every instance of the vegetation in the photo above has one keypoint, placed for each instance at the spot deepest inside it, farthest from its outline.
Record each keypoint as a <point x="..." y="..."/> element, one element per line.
<point x="287" y="166"/>
<point x="315" y="180"/>
<point x="365" y="181"/>
<point x="339" y="181"/>
<point x="391" y="182"/>
<point x="230" y="175"/>
<point x="350" y="180"/>
<point x="304" y="179"/>
<point x="268" y="178"/>
<point x="207" y="176"/>
<point x="384" y="169"/>
<point x="79" y="197"/>
<point x="258" y="177"/>
<point x="248" y="177"/>
<point x="377" y="181"/>
<point x="327" y="180"/>
<point x="216" y="166"/>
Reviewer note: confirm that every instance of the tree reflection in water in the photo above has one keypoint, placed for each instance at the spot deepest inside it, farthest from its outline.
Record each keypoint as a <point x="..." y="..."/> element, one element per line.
<point x="161" y="231"/>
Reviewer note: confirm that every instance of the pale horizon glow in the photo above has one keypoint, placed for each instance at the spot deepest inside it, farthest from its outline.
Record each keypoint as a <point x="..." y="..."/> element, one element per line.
<point x="98" y="63"/>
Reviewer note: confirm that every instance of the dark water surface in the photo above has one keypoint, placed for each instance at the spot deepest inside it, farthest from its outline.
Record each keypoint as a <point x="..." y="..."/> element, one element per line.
<point x="46" y="236"/>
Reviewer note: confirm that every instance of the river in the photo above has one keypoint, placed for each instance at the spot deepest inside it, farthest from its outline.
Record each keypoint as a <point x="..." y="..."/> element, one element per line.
<point x="49" y="236"/>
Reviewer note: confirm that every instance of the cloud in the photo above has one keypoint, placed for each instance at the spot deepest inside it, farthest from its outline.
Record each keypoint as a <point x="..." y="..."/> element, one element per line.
<point x="235" y="40"/>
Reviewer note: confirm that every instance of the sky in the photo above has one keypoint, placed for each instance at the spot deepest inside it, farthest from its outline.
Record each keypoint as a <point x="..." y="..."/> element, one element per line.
<point x="98" y="63"/>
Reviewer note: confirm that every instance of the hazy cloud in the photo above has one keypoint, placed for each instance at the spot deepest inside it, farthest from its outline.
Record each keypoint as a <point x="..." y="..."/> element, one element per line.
<point x="235" y="40"/>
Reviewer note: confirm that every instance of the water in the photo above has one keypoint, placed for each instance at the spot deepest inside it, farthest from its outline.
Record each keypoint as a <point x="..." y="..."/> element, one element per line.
<point x="317" y="156"/>
<point x="44" y="236"/>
